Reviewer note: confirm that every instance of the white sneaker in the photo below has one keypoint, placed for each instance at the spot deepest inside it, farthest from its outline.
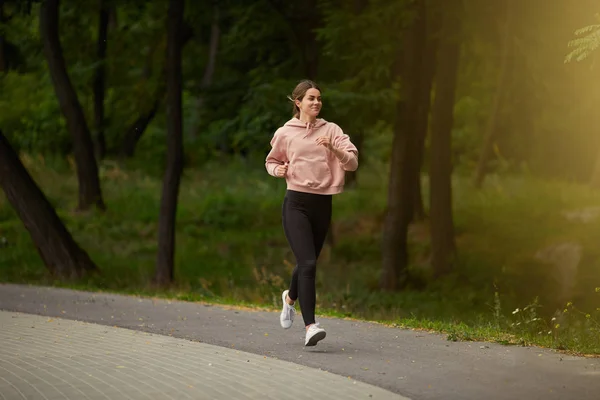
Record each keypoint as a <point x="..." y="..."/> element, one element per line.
<point x="287" y="312"/>
<point x="314" y="334"/>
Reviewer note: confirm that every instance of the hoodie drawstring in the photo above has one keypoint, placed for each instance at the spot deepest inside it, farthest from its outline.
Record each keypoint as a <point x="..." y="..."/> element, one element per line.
<point x="308" y="131"/>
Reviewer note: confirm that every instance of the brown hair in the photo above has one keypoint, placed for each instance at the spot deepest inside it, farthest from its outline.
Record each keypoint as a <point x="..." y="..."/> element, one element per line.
<point x="299" y="93"/>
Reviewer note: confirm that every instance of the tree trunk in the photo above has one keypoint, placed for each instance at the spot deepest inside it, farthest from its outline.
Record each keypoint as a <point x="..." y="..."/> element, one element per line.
<point x="311" y="51"/>
<point x="3" y="66"/>
<point x="425" y="82"/>
<point x="359" y="137"/>
<point x="99" y="81"/>
<point x="490" y="130"/>
<point x="168" y="208"/>
<point x="209" y="70"/>
<point x="302" y="18"/>
<point x="403" y="164"/>
<point x="90" y="192"/>
<point x="59" y="252"/>
<point x="359" y="6"/>
<point x="395" y="227"/>
<point x="307" y="38"/>
<point x="137" y="129"/>
<point x="134" y="133"/>
<point x="215" y="36"/>
<point x="442" y="225"/>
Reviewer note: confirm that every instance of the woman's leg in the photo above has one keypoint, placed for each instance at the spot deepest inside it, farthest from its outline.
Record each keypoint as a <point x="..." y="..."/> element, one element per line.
<point x="299" y="233"/>
<point x="320" y="219"/>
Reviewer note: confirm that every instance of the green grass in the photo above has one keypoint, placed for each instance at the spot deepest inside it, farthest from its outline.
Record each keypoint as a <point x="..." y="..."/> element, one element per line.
<point x="231" y="250"/>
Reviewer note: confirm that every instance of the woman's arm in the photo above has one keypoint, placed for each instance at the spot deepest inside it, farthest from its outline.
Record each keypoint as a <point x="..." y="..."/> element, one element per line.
<point x="345" y="151"/>
<point x="347" y="158"/>
<point x="276" y="156"/>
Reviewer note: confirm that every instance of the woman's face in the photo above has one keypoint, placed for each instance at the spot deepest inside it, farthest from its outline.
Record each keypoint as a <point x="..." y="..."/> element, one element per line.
<point x="311" y="103"/>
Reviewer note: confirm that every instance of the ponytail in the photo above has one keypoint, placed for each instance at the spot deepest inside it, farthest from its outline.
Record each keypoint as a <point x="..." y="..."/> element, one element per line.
<point x="295" y="109"/>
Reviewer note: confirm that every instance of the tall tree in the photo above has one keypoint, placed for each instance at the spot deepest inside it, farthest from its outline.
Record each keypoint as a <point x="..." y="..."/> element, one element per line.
<point x="3" y="66"/>
<point x="209" y="69"/>
<point x="303" y="18"/>
<point x="57" y="248"/>
<point x="90" y="192"/>
<point x="498" y="96"/>
<point x="170" y="193"/>
<point x="442" y="226"/>
<point x="307" y="39"/>
<point x="430" y="31"/>
<point x="134" y="133"/>
<point x="358" y="135"/>
<point x="99" y="79"/>
<point x="404" y="168"/>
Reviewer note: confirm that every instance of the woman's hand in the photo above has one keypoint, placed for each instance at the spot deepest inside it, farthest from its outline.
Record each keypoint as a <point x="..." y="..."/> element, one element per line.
<point x="324" y="141"/>
<point x="281" y="170"/>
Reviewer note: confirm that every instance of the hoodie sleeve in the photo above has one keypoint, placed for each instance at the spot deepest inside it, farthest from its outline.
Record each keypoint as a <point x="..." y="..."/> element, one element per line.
<point x="277" y="155"/>
<point x="349" y="152"/>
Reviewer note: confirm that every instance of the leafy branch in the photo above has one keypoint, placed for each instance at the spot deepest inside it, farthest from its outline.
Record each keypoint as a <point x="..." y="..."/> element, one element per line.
<point x="586" y="45"/>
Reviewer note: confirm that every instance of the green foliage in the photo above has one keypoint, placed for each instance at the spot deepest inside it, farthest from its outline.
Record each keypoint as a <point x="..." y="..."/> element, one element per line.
<point x="30" y="115"/>
<point x="230" y="244"/>
<point x="258" y="66"/>
<point x="360" y="46"/>
<point x="586" y="45"/>
<point x="262" y="54"/>
<point x="468" y="123"/>
<point x="231" y="248"/>
<point x="264" y="108"/>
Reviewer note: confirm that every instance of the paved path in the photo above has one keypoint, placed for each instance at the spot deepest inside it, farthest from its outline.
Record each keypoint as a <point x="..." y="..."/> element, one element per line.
<point x="54" y="358"/>
<point x="414" y="364"/>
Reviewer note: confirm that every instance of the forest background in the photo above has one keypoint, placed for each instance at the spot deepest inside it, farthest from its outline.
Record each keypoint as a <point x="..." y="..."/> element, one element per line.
<point x="133" y="136"/>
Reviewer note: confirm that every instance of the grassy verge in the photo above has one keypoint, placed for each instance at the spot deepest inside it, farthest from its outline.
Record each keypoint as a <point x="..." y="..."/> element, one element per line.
<point x="231" y="250"/>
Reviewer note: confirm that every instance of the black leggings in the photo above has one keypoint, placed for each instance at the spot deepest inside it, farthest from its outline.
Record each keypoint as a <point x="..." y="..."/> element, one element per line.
<point x="306" y="218"/>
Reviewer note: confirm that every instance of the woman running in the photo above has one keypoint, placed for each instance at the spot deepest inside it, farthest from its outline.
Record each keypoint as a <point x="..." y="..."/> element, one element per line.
<point x="312" y="155"/>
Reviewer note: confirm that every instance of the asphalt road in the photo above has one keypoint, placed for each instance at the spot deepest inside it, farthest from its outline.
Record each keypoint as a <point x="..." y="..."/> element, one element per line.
<point x="414" y="364"/>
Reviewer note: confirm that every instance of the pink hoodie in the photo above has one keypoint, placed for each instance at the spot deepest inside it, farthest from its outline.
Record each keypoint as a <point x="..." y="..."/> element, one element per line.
<point x="312" y="168"/>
